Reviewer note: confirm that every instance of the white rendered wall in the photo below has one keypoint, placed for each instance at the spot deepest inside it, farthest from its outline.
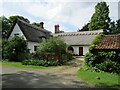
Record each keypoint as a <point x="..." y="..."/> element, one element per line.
<point x="31" y="46"/>
<point x="17" y="30"/>
<point x="76" y="49"/>
<point x="85" y="49"/>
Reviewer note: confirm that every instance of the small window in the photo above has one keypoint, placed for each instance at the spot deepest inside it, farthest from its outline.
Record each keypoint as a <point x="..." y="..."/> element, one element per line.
<point x="35" y="48"/>
<point x="16" y="34"/>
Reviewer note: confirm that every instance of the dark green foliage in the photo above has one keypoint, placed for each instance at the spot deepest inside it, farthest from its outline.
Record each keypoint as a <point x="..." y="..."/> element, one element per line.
<point x="44" y="56"/>
<point x="84" y="28"/>
<point x="53" y="45"/>
<point x="40" y="62"/>
<point x="15" y="49"/>
<point x="12" y="18"/>
<point x="5" y="26"/>
<point x="109" y="66"/>
<point x="90" y="59"/>
<point x="69" y="55"/>
<point x="115" y="27"/>
<point x="95" y="41"/>
<point x="61" y="31"/>
<point x="100" y="19"/>
<point x="66" y="57"/>
<point x="36" y="24"/>
<point x="105" y="61"/>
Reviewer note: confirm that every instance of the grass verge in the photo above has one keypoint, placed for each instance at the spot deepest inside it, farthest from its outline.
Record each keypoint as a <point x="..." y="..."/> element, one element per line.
<point x="19" y="64"/>
<point x="106" y="80"/>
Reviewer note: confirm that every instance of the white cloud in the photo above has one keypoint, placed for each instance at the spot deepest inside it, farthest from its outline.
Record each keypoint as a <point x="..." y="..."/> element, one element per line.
<point x="72" y="12"/>
<point x="1" y="9"/>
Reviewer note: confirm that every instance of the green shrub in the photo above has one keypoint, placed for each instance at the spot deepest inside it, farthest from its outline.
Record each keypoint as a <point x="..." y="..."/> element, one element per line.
<point x="52" y="45"/>
<point x="92" y="69"/>
<point x="40" y="62"/>
<point x="90" y="59"/>
<point x="85" y="68"/>
<point x="64" y="59"/>
<point x="109" y="66"/>
<point x="97" y="39"/>
<point x="15" y="48"/>
<point x="104" y="61"/>
<point x="69" y="55"/>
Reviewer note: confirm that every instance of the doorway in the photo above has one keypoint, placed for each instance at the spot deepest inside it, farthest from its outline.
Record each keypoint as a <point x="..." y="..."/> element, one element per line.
<point x="81" y="51"/>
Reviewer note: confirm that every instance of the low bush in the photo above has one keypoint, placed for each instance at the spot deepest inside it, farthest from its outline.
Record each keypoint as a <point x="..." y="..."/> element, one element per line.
<point x="66" y="57"/>
<point x="105" y="61"/>
<point x="69" y="55"/>
<point x="109" y="66"/>
<point x="40" y="62"/>
<point x="90" y="59"/>
<point x="15" y="49"/>
<point x="97" y="39"/>
<point x="92" y="69"/>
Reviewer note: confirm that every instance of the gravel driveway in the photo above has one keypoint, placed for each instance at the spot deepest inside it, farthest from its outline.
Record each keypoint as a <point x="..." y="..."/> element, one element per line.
<point x="58" y="77"/>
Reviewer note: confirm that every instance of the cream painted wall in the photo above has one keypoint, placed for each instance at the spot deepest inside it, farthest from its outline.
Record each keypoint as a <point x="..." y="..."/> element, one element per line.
<point x="31" y="46"/>
<point x="17" y="30"/>
<point x="76" y="49"/>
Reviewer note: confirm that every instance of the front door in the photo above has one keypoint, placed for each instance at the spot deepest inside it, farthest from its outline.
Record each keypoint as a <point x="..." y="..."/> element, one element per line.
<point x="81" y="51"/>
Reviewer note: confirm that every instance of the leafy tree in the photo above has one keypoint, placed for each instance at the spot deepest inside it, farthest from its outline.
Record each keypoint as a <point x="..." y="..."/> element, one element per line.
<point x="6" y="23"/>
<point x="84" y="28"/>
<point x="61" y="31"/>
<point x="53" y="45"/>
<point x="100" y="19"/>
<point x="36" y="24"/>
<point x="118" y="26"/>
<point x="5" y="26"/>
<point x="12" y="18"/>
<point x="115" y="27"/>
<point x="112" y="27"/>
<point x="15" y="49"/>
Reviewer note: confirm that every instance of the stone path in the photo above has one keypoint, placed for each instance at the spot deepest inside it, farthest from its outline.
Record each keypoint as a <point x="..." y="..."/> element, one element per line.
<point x="58" y="77"/>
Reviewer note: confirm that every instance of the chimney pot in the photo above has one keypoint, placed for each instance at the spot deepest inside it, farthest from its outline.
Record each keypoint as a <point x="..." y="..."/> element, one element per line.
<point x="57" y="28"/>
<point x="42" y="25"/>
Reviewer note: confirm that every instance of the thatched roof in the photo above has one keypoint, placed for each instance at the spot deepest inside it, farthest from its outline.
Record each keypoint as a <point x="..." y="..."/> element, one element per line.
<point x="78" y="38"/>
<point x="31" y="32"/>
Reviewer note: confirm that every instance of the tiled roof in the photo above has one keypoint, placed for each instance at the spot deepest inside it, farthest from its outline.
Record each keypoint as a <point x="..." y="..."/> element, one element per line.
<point x="109" y="42"/>
<point x="31" y="32"/>
<point x="78" y="38"/>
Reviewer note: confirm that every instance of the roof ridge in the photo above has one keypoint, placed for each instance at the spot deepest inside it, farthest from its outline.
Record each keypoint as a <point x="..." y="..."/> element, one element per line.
<point x="32" y="26"/>
<point x="79" y="33"/>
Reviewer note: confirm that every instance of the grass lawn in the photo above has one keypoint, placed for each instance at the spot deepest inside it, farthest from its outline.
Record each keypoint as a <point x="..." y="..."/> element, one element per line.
<point x="106" y="79"/>
<point x="19" y="64"/>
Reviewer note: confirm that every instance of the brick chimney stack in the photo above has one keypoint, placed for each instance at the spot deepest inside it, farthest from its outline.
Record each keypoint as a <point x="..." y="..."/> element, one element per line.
<point x="57" y="28"/>
<point x="42" y="25"/>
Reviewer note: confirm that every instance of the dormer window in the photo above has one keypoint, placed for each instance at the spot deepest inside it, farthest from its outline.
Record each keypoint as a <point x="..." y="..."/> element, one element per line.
<point x="16" y="34"/>
<point x="43" y="38"/>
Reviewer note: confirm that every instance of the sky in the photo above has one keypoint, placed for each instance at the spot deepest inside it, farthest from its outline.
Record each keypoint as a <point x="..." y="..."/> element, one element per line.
<point x="71" y="15"/>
